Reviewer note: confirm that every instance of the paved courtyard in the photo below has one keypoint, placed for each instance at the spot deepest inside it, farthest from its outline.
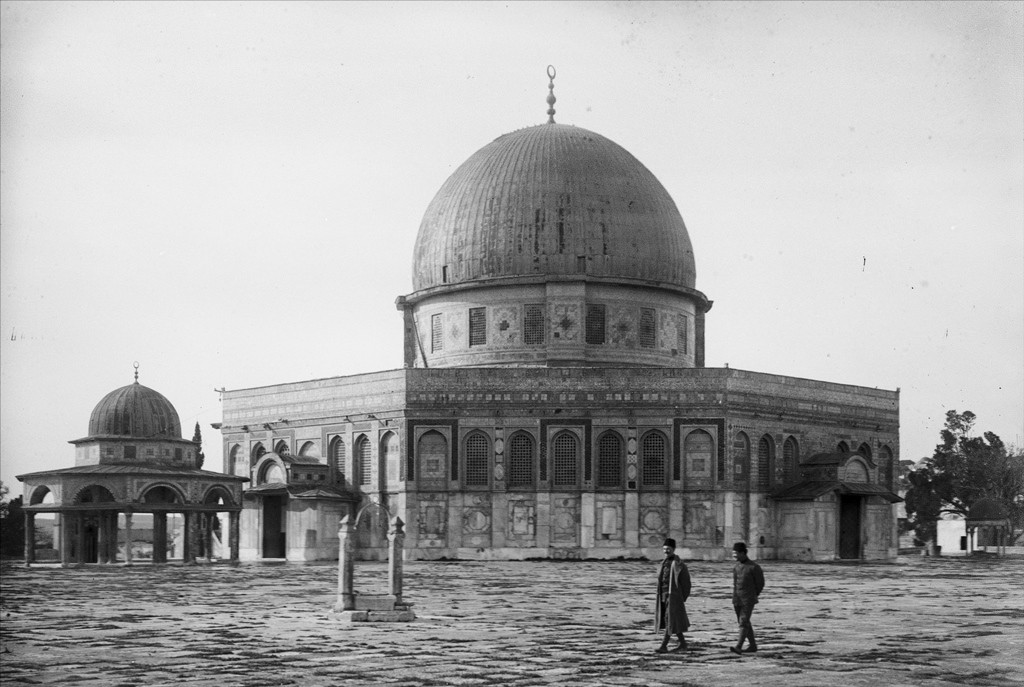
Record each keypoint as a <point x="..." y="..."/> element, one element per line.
<point x="921" y="621"/>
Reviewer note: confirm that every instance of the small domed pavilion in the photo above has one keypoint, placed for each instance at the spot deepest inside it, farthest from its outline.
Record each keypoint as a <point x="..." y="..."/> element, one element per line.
<point x="134" y="460"/>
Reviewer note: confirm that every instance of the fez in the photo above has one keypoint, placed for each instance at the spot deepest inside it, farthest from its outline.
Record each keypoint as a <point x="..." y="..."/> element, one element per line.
<point x="670" y="542"/>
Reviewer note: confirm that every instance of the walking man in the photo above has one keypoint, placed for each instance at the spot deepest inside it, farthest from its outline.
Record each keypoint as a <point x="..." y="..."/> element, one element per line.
<point x="670" y="604"/>
<point x="747" y="583"/>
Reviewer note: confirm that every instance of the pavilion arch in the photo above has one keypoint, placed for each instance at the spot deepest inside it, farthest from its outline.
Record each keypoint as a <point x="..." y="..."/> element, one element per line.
<point x="163" y="494"/>
<point x="653" y="458"/>
<point x="218" y="495"/>
<point x="94" y="493"/>
<point x="611" y="458"/>
<point x="39" y="496"/>
<point x="765" y="462"/>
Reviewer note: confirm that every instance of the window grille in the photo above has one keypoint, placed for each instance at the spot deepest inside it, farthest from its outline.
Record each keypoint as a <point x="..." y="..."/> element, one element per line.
<point x="363" y="455"/>
<point x="595" y="323"/>
<point x="647" y="327"/>
<point x="533" y="324"/>
<point x="436" y="334"/>
<point x="338" y="456"/>
<point x="477" y="328"/>
<point x="520" y="461"/>
<point x="609" y="460"/>
<point x="789" y="460"/>
<point x="565" y="456"/>
<point x="652" y="456"/>
<point x="764" y="464"/>
<point x="478" y="456"/>
<point x="682" y="334"/>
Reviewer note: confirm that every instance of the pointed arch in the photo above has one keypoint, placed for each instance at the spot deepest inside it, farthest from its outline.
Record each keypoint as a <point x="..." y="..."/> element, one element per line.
<point x="790" y="460"/>
<point x="842" y="447"/>
<point x="432" y="459"/>
<point x="653" y="459"/>
<point x="310" y="449"/>
<point x="258" y="451"/>
<point x="610" y="457"/>
<point x="336" y="452"/>
<point x="741" y="457"/>
<point x="362" y="454"/>
<point x="565" y="451"/>
<point x="477" y="452"/>
<point x="522" y="459"/>
<point x="865" y="450"/>
<point x="765" y="462"/>
<point x="281" y="448"/>
<point x="699" y="449"/>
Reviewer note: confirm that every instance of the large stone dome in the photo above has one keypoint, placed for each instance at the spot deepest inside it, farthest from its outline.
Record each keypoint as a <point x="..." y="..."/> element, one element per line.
<point x="135" y="411"/>
<point x="552" y="201"/>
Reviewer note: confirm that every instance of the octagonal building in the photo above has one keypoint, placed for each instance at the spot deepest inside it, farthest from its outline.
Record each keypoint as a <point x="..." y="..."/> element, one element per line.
<point x="554" y="400"/>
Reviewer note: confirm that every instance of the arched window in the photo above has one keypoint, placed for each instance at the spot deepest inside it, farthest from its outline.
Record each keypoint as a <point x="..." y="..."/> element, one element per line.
<point x="565" y="455"/>
<point x="652" y="459"/>
<point x="478" y="459"/>
<point x="364" y="460"/>
<point x="842" y="447"/>
<point x="239" y="466"/>
<point x="864" y="450"/>
<point x="790" y="459"/>
<point x="310" y="450"/>
<point x="698" y="448"/>
<point x="765" y="455"/>
<point x="389" y="459"/>
<point x="609" y="460"/>
<point x="337" y="454"/>
<point x="520" y="460"/>
<point x="741" y="457"/>
<point x="431" y="458"/>
<point x="888" y="468"/>
<point x="256" y="453"/>
<point x="281" y="448"/>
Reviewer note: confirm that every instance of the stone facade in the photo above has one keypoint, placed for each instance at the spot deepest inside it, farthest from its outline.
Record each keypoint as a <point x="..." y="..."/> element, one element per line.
<point x="578" y="462"/>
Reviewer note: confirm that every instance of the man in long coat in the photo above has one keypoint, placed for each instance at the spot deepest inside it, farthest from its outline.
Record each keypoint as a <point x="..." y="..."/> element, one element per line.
<point x="670" y="605"/>
<point x="747" y="584"/>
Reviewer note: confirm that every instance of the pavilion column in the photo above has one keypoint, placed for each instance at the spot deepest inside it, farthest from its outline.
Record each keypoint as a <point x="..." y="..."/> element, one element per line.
<point x="190" y="546"/>
<point x="128" y="537"/>
<point x="30" y="538"/>
<point x="80" y="537"/>
<point x="208" y="536"/>
<point x="102" y="538"/>
<point x="160" y="537"/>
<point x="233" y="534"/>
<point x="65" y="538"/>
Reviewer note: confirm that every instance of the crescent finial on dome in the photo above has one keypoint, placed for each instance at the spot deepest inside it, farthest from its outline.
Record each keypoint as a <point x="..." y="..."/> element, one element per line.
<point x="551" y="94"/>
<point x="136" y="371"/>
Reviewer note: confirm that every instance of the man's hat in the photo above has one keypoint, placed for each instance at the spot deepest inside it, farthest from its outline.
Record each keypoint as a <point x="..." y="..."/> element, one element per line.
<point x="670" y="542"/>
<point x="739" y="546"/>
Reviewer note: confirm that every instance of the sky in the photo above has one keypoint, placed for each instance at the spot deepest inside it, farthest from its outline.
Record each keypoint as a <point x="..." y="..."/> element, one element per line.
<point x="228" y="193"/>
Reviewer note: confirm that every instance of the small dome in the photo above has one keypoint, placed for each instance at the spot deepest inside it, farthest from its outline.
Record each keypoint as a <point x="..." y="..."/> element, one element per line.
<point x="135" y="411"/>
<point x="552" y="200"/>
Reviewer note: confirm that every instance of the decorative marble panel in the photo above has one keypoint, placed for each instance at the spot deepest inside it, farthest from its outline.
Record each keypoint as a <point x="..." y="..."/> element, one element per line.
<point x="566" y="517"/>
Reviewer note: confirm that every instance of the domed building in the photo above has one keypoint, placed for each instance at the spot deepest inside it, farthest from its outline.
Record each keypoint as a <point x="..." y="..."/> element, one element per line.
<point x="555" y="401"/>
<point x="134" y="463"/>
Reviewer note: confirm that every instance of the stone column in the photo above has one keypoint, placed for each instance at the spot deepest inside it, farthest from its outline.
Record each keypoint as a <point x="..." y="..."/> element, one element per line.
<point x="208" y="536"/>
<point x="191" y="538"/>
<point x="65" y="538"/>
<point x="30" y="538"/>
<point x="160" y="537"/>
<point x="80" y="537"/>
<point x="396" y="546"/>
<point x="346" y="566"/>
<point x="102" y="538"/>
<point x="233" y="534"/>
<point x="128" y="537"/>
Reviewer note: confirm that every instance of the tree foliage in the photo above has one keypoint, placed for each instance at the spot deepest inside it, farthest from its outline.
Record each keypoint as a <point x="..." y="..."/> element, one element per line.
<point x="964" y="470"/>
<point x="12" y="524"/>
<point x="197" y="439"/>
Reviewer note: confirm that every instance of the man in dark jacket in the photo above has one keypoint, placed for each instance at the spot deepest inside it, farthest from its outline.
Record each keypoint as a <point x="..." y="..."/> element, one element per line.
<point x="747" y="583"/>
<point x="670" y="604"/>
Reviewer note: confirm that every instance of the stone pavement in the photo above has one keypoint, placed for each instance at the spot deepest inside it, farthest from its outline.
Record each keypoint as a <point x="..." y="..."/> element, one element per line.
<point x="920" y="621"/>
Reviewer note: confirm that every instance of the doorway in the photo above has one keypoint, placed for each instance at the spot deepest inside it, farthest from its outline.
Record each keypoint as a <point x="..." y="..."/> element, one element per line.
<point x="274" y="526"/>
<point x="849" y="526"/>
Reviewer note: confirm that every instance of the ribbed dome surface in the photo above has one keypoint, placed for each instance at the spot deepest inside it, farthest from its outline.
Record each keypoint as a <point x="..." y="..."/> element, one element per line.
<point x="135" y="411"/>
<point x="552" y="200"/>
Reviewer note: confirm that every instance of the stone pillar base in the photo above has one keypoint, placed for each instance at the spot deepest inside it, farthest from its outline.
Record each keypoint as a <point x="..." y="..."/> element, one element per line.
<point x="402" y="613"/>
